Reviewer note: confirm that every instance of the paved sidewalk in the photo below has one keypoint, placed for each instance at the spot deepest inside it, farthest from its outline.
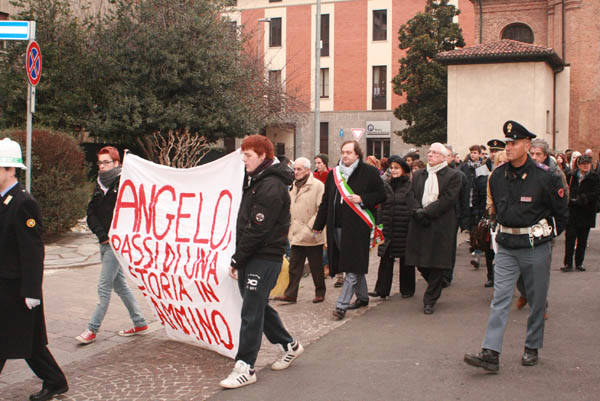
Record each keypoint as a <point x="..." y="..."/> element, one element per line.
<point x="73" y="249"/>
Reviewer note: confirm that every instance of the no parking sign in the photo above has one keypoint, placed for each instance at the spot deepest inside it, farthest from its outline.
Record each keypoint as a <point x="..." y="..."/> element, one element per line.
<point x="33" y="63"/>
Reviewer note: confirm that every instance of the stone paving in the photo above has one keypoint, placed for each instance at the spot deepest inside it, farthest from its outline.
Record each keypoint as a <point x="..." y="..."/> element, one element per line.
<point x="150" y="367"/>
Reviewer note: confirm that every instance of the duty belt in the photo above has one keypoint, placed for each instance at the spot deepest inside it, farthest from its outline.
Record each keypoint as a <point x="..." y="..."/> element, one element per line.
<point x="538" y="230"/>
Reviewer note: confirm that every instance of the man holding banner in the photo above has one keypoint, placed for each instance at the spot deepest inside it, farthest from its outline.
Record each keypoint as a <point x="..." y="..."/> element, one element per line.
<point x="262" y="227"/>
<point x="352" y="191"/>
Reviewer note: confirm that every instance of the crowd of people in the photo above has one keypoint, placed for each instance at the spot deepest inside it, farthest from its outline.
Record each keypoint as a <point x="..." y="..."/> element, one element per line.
<point x="513" y="196"/>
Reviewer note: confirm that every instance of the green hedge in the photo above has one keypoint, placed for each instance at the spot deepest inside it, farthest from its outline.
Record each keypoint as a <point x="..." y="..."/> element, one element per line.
<point x="58" y="177"/>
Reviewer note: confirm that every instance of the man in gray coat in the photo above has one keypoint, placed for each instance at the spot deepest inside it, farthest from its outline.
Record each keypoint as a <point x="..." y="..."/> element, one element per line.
<point x="432" y="229"/>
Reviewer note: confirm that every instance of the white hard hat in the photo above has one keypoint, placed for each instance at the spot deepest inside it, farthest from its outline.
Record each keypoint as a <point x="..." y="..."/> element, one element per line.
<point x="10" y="154"/>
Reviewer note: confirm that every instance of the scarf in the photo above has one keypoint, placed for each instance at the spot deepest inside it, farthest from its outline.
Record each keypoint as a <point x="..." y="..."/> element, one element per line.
<point x="432" y="189"/>
<point x="261" y="167"/>
<point x="299" y="183"/>
<point x="348" y="170"/>
<point x="398" y="181"/>
<point x="106" y="179"/>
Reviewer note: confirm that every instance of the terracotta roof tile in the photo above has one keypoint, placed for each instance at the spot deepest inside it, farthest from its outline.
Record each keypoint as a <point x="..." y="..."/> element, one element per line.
<point x="501" y="51"/>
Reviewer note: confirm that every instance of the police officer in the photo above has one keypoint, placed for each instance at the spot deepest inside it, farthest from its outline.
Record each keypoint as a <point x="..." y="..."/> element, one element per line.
<point x="23" y="328"/>
<point x="495" y="146"/>
<point x="531" y="209"/>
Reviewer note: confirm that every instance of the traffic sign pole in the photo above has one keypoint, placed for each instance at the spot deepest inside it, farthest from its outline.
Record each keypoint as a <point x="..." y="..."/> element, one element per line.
<point x="30" y="110"/>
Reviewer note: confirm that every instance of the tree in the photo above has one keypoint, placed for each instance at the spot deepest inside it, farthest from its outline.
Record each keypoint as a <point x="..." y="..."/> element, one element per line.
<point x="63" y="94"/>
<point x="421" y="78"/>
<point x="169" y="69"/>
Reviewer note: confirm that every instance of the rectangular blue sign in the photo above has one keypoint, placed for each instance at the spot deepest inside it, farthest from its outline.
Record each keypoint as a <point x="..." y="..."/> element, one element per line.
<point x="14" y="30"/>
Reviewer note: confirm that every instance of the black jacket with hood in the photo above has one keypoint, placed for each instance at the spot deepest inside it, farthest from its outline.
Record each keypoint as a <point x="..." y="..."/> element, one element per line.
<point x="264" y="216"/>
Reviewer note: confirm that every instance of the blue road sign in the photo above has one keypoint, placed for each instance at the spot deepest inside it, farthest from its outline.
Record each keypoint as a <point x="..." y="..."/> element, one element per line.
<point x="14" y="30"/>
<point x="341" y="132"/>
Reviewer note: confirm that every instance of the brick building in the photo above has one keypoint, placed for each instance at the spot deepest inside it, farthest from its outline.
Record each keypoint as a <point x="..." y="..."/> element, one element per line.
<point x="571" y="29"/>
<point x="359" y="58"/>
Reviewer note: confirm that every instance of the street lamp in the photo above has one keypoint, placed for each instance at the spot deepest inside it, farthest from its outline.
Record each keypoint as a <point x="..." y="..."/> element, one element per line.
<point x="258" y="35"/>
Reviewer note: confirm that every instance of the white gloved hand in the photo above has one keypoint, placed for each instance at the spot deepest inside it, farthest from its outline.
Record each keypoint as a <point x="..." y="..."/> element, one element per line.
<point x="32" y="302"/>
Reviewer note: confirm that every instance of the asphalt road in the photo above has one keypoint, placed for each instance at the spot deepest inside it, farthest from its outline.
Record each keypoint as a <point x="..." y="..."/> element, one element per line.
<point x="395" y="352"/>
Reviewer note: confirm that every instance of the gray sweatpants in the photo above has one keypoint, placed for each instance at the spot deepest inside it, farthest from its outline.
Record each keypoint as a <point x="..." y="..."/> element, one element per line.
<point x="534" y="265"/>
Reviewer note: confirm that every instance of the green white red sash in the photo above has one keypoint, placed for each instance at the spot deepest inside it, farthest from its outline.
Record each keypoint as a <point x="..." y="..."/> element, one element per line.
<point x="364" y="214"/>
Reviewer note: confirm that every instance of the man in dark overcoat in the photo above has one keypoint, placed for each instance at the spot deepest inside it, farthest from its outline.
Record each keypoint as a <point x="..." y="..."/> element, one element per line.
<point x="432" y="230"/>
<point x="23" y="328"/>
<point x="348" y="235"/>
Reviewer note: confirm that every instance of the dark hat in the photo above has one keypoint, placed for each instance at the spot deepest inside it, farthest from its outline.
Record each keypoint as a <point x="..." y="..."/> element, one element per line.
<point x="496" y="144"/>
<point x="513" y="131"/>
<point x="324" y="158"/>
<point x="400" y="161"/>
<point x="584" y="159"/>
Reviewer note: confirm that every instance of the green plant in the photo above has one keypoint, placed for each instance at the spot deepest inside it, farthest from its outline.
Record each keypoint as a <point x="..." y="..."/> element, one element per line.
<point x="58" y="179"/>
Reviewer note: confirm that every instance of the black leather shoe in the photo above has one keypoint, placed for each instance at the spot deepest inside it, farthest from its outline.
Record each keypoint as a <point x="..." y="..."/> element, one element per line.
<point x="358" y="304"/>
<point x="407" y="295"/>
<point x="486" y="359"/>
<point x="48" y="393"/>
<point x="489" y="284"/>
<point x="566" y="269"/>
<point x="339" y="314"/>
<point x="428" y="309"/>
<point x="530" y="357"/>
<point x="475" y="264"/>
<point x="373" y="294"/>
<point x="580" y="268"/>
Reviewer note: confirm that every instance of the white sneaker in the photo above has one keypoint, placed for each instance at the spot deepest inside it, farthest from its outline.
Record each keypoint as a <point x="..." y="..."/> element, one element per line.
<point x="240" y="376"/>
<point x="288" y="356"/>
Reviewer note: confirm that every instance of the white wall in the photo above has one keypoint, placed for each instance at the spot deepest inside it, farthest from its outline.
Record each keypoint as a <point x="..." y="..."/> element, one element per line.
<point x="481" y="97"/>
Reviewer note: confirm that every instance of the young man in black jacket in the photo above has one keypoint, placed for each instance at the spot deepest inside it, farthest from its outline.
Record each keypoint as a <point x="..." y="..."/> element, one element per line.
<point x="262" y="227"/>
<point x="99" y="218"/>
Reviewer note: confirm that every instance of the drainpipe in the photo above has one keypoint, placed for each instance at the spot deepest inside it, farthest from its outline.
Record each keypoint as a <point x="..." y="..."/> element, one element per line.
<point x="554" y="111"/>
<point x="481" y="21"/>
<point x="563" y="31"/>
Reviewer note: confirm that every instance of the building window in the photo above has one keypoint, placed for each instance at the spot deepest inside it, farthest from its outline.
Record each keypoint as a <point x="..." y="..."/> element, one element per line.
<point x="275" y="32"/>
<point x="274" y="91"/>
<point x="519" y="32"/>
<point x="324" y="138"/>
<point x="324" y="91"/>
<point x="3" y="16"/>
<point x="378" y="147"/>
<point x="379" y="24"/>
<point x="379" y="87"/>
<point x="233" y="29"/>
<point x="324" y="35"/>
<point x="274" y="1"/>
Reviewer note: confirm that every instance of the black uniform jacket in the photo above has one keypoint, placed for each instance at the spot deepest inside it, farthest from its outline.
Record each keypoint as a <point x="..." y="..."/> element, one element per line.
<point x="100" y="210"/>
<point x="353" y="257"/>
<point x="264" y="217"/>
<point x="584" y="199"/>
<point x="523" y="196"/>
<point x="21" y="272"/>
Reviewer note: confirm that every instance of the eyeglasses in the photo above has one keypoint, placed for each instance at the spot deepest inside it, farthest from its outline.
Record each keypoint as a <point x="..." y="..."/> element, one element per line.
<point x="101" y="163"/>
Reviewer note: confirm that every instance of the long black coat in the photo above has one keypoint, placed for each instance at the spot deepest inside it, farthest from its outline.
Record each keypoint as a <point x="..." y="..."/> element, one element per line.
<point x="434" y="245"/>
<point x="354" y="258"/>
<point x="583" y="199"/>
<point x="21" y="272"/>
<point x="394" y="214"/>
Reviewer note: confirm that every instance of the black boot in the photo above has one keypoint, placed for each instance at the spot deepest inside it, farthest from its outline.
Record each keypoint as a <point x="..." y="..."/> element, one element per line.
<point x="486" y="359"/>
<point x="530" y="357"/>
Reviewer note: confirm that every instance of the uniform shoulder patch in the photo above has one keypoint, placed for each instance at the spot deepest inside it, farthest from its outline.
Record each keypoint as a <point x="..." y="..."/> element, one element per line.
<point x="30" y="223"/>
<point x="561" y="192"/>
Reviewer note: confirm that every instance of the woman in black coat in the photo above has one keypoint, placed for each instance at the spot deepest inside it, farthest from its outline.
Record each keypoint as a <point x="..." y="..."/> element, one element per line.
<point x="394" y="214"/>
<point x="584" y="190"/>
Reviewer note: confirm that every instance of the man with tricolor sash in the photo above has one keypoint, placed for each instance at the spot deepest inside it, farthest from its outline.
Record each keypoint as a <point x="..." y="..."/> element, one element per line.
<point x="352" y="191"/>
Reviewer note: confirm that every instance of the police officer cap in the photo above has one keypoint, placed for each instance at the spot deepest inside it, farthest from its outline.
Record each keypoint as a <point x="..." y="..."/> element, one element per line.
<point x="10" y="154"/>
<point x="513" y="131"/>
<point x="584" y="159"/>
<point x="496" y="144"/>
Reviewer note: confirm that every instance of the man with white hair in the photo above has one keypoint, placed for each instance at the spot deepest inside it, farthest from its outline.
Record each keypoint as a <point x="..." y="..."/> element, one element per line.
<point x="431" y="233"/>
<point x="305" y="195"/>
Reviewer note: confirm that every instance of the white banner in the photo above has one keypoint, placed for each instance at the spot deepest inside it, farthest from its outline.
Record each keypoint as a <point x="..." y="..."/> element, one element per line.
<point x="173" y="232"/>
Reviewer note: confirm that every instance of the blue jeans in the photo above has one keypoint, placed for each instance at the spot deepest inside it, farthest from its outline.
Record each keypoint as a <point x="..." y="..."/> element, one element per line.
<point x="112" y="277"/>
